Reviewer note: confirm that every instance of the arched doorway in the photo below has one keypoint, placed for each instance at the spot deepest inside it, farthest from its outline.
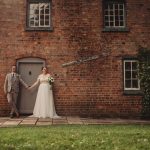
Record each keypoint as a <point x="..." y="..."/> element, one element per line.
<point x="29" y="69"/>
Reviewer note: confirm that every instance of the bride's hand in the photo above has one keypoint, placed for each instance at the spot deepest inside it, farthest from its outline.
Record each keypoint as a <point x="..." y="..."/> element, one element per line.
<point x="29" y="88"/>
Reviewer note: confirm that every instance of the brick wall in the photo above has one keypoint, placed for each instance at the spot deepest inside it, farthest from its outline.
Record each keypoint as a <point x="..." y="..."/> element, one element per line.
<point x="93" y="88"/>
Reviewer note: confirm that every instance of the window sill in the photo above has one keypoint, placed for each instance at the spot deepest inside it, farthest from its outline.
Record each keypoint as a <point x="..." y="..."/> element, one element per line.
<point x="115" y="30"/>
<point x="49" y="29"/>
<point x="133" y="92"/>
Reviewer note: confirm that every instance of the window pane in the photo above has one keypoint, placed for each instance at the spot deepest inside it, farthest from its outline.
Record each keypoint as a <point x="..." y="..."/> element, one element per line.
<point x="36" y="17"/>
<point x="127" y="65"/>
<point x="111" y="13"/>
<point x="41" y="8"/>
<point x="31" y="23"/>
<point x="121" y="12"/>
<point x="42" y="17"/>
<point x="121" y="17"/>
<point x="47" y="17"/>
<point x="111" y="24"/>
<point x="47" y="22"/>
<point x="128" y="83"/>
<point x="117" y="23"/>
<point x="47" y="6"/>
<point x="106" y="24"/>
<point x="134" y="75"/>
<point x="134" y="65"/>
<point x="121" y="6"/>
<point x="106" y="12"/>
<point x="46" y="11"/>
<point x="116" y="18"/>
<point x="128" y="74"/>
<point x="121" y="23"/>
<point x="111" y="18"/>
<point x="135" y="83"/>
<point x="106" y="18"/>
<point x="31" y="17"/>
<point x="34" y="8"/>
<point x="37" y="23"/>
<point x="42" y="22"/>
<point x="116" y="13"/>
<point x="116" y="6"/>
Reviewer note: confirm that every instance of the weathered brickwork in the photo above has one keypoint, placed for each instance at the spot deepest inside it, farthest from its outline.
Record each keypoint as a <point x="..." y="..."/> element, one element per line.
<point x="93" y="88"/>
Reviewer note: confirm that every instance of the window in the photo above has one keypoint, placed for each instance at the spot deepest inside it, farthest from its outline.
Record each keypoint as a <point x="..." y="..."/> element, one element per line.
<point x="39" y="14"/>
<point x="114" y="14"/>
<point x="131" y="81"/>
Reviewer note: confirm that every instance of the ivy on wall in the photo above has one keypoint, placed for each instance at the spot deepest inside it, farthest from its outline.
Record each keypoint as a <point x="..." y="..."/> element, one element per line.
<point x="144" y="75"/>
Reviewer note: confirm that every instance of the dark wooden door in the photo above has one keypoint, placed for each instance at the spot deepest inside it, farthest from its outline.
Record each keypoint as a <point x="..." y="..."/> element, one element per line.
<point x="29" y="72"/>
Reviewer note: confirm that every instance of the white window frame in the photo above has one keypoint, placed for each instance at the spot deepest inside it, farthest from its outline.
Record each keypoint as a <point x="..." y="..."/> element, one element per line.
<point x="113" y="3"/>
<point x="35" y="21"/>
<point x="39" y="19"/>
<point x="131" y="76"/>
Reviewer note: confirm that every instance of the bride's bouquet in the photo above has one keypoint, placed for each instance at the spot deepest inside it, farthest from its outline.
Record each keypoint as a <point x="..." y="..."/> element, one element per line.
<point x="50" y="80"/>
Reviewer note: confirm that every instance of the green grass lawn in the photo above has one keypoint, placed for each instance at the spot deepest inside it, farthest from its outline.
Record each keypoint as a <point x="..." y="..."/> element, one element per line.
<point x="76" y="137"/>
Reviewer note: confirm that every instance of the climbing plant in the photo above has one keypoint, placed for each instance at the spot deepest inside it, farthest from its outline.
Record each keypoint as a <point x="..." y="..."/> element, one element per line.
<point x="144" y="76"/>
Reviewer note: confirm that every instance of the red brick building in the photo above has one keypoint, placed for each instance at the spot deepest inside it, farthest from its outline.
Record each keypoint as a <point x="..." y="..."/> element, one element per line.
<point x="89" y="46"/>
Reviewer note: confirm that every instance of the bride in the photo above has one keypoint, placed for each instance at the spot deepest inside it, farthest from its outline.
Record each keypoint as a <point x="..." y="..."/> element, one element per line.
<point x="44" y="104"/>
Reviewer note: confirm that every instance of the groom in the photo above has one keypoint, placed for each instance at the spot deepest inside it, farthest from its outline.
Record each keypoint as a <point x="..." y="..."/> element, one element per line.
<point x="11" y="89"/>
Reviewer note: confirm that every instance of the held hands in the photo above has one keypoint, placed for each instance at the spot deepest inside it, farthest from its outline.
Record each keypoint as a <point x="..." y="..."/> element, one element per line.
<point x="28" y="88"/>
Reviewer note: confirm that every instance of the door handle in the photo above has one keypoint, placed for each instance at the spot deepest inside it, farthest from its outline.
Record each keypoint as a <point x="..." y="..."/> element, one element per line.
<point x="30" y="72"/>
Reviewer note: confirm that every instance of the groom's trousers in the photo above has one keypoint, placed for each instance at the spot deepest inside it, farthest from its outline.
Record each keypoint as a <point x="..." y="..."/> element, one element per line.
<point x="12" y="99"/>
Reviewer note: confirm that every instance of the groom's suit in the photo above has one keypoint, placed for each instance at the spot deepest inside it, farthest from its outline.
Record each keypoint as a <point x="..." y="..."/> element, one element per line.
<point x="11" y="88"/>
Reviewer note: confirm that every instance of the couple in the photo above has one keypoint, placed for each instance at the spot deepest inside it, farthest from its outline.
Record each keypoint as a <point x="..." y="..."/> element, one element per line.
<point x="44" y="104"/>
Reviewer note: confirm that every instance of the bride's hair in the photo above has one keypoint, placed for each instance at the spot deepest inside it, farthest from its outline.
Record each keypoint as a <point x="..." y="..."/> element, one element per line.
<point x="44" y="67"/>
<point x="47" y="72"/>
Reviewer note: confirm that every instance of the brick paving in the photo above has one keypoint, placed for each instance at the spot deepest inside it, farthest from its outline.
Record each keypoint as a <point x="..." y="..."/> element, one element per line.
<point x="32" y="121"/>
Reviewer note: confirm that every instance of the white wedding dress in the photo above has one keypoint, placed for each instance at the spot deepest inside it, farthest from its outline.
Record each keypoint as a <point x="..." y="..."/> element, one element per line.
<point x="44" y="104"/>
